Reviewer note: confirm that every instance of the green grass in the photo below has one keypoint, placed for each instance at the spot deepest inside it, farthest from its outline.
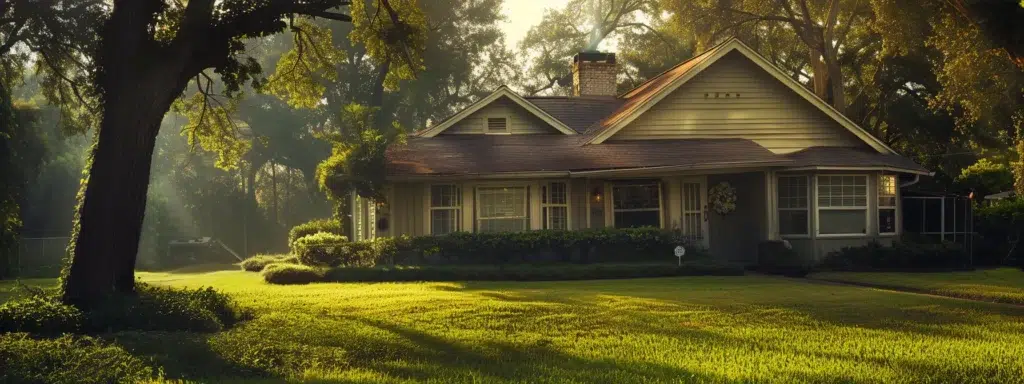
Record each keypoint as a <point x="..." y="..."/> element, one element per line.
<point x="680" y="329"/>
<point x="1004" y="285"/>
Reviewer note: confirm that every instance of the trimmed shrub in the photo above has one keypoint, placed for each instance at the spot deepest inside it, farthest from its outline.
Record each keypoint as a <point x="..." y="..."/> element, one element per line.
<point x="258" y="262"/>
<point x="292" y="274"/>
<point x="778" y="257"/>
<point x="1000" y="227"/>
<point x="528" y="272"/>
<point x="68" y="359"/>
<point x="313" y="227"/>
<point x="903" y="255"/>
<point x="151" y="309"/>
<point x="501" y="248"/>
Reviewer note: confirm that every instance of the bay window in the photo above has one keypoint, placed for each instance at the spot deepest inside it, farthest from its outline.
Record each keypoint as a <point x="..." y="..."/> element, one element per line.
<point x="636" y="205"/>
<point x="887" y="204"/>
<point x="445" y="209"/>
<point x="842" y="204"/>
<point x="793" y="205"/>
<point x="555" y="205"/>
<point x="502" y="209"/>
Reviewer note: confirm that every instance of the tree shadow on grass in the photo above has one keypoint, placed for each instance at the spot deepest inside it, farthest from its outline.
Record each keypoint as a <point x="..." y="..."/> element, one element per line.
<point x="185" y="355"/>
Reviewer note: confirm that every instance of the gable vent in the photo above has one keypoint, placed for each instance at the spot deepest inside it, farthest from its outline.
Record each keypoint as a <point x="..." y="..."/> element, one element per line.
<point x="497" y="125"/>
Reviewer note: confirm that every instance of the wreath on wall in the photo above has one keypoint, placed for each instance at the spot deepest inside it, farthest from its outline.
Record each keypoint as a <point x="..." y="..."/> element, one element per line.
<point x="722" y="198"/>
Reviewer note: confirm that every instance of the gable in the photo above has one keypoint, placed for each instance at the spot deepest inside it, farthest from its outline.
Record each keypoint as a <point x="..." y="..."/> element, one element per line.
<point x="520" y="121"/>
<point x="734" y="98"/>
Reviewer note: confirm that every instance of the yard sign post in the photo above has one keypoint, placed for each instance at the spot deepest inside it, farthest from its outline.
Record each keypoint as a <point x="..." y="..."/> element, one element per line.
<point x="680" y="251"/>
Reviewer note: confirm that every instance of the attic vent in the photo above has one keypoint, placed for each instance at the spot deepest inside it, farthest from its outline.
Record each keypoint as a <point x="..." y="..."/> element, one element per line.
<point x="497" y="125"/>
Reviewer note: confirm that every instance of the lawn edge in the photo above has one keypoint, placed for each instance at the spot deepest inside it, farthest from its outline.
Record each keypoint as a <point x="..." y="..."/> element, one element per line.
<point x="923" y="291"/>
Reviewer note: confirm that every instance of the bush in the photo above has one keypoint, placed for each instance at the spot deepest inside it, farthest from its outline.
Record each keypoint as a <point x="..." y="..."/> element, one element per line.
<point x="151" y="309"/>
<point x="778" y="257"/>
<point x="68" y="359"/>
<point x="258" y="262"/>
<point x="530" y="247"/>
<point x="329" y="250"/>
<point x="901" y="256"/>
<point x="1000" y="227"/>
<point x="292" y="274"/>
<point x="524" y="272"/>
<point x="313" y="227"/>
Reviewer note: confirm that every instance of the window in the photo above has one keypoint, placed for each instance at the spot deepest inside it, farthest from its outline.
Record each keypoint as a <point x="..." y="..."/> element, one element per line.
<point x="554" y="199"/>
<point x="887" y="204"/>
<point x="445" y="209"/>
<point x="793" y="204"/>
<point x="636" y="205"/>
<point x="842" y="205"/>
<point x="496" y="125"/>
<point x="502" y="209"/>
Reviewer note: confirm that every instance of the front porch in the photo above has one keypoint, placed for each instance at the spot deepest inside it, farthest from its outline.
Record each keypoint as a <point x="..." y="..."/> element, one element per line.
<point x="817" y="211"/>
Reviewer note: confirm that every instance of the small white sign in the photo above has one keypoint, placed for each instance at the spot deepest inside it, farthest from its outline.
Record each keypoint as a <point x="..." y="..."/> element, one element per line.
<point x="680" y="251"/>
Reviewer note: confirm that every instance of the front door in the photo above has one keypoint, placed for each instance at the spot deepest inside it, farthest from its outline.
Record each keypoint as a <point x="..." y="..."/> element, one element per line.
<point x="694" y="219"/>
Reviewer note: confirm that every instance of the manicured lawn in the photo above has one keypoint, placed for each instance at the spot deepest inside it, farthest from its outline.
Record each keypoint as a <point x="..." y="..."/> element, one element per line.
<point x="681" y="329"/>
<point x="1004" y="285"/>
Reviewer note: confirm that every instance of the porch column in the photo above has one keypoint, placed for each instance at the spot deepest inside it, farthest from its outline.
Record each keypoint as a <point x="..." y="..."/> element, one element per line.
<point x="772" y="227"/>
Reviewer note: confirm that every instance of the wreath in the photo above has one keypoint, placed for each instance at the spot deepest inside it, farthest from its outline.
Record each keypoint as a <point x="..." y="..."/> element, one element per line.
<point x="722" y="198"/>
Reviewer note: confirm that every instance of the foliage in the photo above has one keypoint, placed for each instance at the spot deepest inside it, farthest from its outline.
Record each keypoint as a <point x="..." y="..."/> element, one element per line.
<point x="722" y="198"/>
<point x="608" y="331"/>
<point x="291" y="273"/>
<point x="312" y="227"/>
<point x="69" y="359"/>
<point x="213" y="127"/>
<point x="1000" y="285"/>
<point x="902" y="255"/>
<point x="302" y="72"/>
<point x="258" y="262"/>
<point x="498" y="248"/>
<point x="154" y="308"/>
<point x="357" y="162"/>
<point x="1000" y="226"/>
<point x="389" y="35"/>
<point x="986" y="177"/>
<point x="521" y="272"/>
<point x="778" y="257"/>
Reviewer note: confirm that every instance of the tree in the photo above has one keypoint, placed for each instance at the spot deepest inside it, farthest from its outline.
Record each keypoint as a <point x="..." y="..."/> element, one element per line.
<point x="149" y="51"/>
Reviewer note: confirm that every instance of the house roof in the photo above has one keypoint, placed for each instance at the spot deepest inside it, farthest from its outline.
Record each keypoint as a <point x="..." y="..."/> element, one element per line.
<point x="578" y="113"/>
<point x="852" y="158"/>
<point x="454" y="155"/>
<point x="501" y="92"/>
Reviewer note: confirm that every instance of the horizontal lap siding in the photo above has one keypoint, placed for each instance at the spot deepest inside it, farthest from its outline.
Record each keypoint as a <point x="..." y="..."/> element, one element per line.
<point x="520" y="120"/>
<point x="766" y="112"/>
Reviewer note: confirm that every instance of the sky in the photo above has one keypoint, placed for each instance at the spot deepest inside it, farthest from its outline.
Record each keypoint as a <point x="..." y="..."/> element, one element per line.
<point x="523" y="14"/>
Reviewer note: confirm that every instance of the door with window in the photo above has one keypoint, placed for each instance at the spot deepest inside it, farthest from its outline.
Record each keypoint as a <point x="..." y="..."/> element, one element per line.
<point x="693" y="219"/>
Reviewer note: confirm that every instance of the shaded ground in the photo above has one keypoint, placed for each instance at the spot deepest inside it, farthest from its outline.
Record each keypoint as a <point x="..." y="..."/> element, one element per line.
<point x="1001" y="285"/>
<point x="688" y="329"/>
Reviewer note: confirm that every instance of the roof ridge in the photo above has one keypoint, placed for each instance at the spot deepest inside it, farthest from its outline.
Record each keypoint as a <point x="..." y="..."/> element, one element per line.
<point x="694" y="57"/>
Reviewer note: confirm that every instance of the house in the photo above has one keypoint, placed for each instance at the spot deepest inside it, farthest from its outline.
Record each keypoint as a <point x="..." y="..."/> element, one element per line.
<point x="724" y="120"/>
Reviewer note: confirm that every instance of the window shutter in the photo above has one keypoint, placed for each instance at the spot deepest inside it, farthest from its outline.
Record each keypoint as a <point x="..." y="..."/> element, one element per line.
<point x="497" y="125"/>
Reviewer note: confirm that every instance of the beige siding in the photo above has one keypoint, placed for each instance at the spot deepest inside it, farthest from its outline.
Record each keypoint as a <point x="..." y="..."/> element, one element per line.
<point x="521" y="121"/>
<point x="758" y="107"/>
<point x="408" y="210"/>
<point x="578" y="196"/>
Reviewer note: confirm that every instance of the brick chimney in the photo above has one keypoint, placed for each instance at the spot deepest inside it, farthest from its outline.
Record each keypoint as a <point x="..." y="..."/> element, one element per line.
<point x="593" y="74"/>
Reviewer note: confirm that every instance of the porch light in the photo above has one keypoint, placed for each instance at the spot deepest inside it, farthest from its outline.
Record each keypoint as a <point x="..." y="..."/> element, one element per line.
<point x="597" y="195"/>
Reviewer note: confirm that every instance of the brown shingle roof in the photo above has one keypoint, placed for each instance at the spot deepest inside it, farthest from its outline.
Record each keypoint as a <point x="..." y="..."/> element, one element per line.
<point x="851" y="157"/>
<point x="577" y="112"/>
<point x="487" y="154"/>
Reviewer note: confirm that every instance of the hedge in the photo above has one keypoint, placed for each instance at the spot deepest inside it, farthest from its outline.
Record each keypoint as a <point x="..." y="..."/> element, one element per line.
<point x="1000" y="227"/>
<point x="313" y="227"/>
<point x="502" y="248"/>
<point x="516" y="273"/>
<point x="903" y="255"/>
<point x="779" y="258"/>
<point x="258" y="262"/>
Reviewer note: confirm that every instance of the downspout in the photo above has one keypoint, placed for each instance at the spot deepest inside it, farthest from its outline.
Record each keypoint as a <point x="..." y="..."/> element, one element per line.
<point x="917" y="178"/>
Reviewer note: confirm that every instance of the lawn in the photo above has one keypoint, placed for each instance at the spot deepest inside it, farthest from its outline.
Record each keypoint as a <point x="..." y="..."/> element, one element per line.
<point x="680" y="329"/>
<point x="1004" y="285"/>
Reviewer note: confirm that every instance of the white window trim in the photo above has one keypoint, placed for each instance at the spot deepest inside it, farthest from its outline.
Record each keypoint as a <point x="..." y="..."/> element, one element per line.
<point x="457" y="208"/>
<point x="895" y="207"/>
<point x="546" y="190"/>
<point x="476" y="212"/>
<point x="867" y="208"/>
<point x="807" y="209"/>
<point x="611" y="202"/>
<point x="508" y="124"/>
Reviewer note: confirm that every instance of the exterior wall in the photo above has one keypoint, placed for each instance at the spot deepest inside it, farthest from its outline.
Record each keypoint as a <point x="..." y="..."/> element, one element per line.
<point x="578" y="203"/>
<point x="520" y="120"/>
<point x="734" y="237"/>
<point x="737" y="99"/>
<point x="407" y="209"/>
